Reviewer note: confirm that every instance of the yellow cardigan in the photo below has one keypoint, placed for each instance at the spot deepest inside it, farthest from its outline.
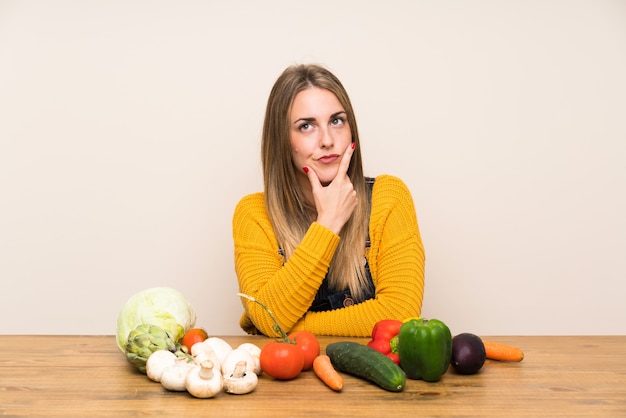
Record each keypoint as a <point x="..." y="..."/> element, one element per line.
<point x="396" y="260"/>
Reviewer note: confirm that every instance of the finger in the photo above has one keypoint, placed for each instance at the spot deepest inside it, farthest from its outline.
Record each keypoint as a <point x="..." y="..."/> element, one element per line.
<point x="345" y="160"/>
<point x="312" y="175"/>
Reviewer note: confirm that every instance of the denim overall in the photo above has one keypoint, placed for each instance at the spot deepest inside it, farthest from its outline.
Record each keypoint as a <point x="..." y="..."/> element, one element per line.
<point x="327" y="300"/>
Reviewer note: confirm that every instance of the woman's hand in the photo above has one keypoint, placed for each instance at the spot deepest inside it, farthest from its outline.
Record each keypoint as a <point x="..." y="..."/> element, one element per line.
<point x="335" y="202"/>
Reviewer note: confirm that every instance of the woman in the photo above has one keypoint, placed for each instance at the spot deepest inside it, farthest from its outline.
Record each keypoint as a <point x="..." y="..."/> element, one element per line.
<point x="326" y="249"/>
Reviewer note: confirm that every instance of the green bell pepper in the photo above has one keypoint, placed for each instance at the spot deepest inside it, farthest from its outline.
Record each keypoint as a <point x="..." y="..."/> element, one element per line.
<point x="425" y="349"/>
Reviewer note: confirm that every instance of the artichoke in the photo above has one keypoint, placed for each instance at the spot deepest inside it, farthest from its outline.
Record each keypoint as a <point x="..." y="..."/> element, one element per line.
<point x="145" y="340"/>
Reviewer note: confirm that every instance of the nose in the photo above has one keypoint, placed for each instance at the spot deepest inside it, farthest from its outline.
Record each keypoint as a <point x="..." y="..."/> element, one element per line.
<point x="326" y="138"/>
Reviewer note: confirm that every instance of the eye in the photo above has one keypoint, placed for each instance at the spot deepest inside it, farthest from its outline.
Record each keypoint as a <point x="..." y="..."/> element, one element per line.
<point x="304" y="127"/>
<point x="337" y="121"/>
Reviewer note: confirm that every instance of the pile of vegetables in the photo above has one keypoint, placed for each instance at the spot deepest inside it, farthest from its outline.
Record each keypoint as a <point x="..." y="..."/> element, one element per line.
<point x="424" y="349"/>
<point x="157" y="333"/>
<point x="212" y="367"/>
<point x="416" y="348"/>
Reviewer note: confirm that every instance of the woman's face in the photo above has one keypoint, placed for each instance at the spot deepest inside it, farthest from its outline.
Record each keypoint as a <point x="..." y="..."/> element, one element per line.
<point x="319" y="134"/>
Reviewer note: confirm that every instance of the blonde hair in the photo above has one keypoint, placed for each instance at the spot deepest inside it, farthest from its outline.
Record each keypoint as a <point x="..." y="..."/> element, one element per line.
<point x="288" y="210"/>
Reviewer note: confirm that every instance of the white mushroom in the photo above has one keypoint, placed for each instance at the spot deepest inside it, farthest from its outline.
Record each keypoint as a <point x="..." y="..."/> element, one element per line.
<point x="236" y="356"/>
<point x="240" y="381"/>
<point x="157" y="362"/>
<point x="204" y="381"/>
<point x="220" y="347"/>
<point x="256" y="354"/>
<point x="203" y="351"/>
<point x="173" y="377"/>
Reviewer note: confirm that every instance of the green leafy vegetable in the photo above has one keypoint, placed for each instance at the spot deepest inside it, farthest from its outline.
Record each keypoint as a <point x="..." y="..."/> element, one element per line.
<point x="163" y="307"/>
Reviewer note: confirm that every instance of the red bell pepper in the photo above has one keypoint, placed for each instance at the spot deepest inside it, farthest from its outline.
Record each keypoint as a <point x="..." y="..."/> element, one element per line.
<point x="385" y="338"/>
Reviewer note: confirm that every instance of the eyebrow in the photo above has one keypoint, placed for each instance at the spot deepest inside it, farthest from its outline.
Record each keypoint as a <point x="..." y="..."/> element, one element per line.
<point x="297" y="121"/>
<point x="333" y="116"/>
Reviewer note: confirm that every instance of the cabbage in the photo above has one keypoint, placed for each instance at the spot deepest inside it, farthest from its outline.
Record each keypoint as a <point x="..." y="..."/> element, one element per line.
<point x="161" y="306"/>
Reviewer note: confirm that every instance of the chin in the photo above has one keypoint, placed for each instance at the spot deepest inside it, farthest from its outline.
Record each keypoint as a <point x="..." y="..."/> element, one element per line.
<point x="325" y="180"/>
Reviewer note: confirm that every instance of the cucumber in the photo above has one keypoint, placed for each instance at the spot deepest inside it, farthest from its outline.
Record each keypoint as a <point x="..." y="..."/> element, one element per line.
<point x="365" y="362"/>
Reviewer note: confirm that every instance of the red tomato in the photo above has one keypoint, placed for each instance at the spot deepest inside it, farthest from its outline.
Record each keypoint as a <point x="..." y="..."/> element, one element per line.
<point x="194" y="335"/>
<point x="309" y="345"/>
<point x="282" y="361"/>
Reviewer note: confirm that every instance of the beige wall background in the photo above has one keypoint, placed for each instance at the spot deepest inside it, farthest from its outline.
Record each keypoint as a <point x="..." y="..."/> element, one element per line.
<point x="130" y="129"/>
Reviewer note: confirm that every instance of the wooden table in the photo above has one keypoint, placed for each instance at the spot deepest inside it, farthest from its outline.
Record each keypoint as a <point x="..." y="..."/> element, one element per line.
<point x="88" y="376"/>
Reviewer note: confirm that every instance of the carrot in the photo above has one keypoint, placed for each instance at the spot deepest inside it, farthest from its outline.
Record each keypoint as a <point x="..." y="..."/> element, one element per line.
<point x="503" y="352"/>
<point x="324" y="369"/>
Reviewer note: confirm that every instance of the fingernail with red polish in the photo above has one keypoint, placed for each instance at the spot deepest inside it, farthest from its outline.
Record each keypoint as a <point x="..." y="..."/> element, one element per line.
<point x="353" y="145"/>
<point x="306" y="169"/>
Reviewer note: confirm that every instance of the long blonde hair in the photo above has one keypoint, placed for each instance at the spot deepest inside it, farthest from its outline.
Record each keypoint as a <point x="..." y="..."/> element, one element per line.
<point x="288" y="210"/>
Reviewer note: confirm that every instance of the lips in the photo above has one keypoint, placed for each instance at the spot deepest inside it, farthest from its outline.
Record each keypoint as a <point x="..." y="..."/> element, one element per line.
<point x="328" y="159"/>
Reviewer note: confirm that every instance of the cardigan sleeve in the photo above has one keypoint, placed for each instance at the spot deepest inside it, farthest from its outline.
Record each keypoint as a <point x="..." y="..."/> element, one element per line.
<point x="396" y="260"/>
<point x="286" y="289"/>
